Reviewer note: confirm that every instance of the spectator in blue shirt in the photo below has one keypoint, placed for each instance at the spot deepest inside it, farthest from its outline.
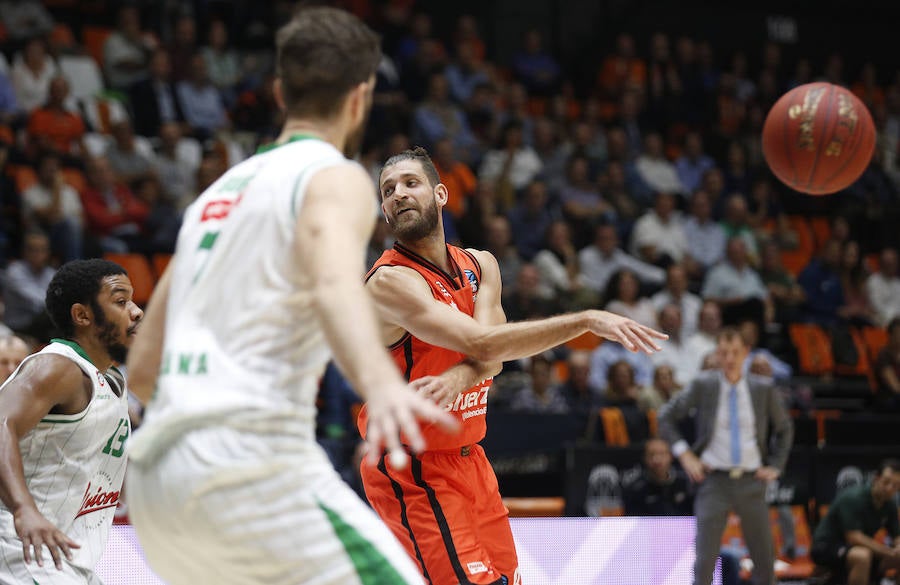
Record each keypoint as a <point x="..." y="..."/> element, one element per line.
<point x="821" y="280"/>
<point x="535" y="68"/>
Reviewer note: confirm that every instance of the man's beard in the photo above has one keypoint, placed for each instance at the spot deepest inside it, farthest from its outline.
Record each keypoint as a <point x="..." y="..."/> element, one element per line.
<point x="108" y="336"/>
<point x="424" y="226"/>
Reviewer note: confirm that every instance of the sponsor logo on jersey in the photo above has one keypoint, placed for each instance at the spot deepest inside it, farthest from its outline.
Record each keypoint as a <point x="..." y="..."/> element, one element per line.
<point x="98" y="496"/>
<point x="471" y="400"/>
<point x="476" y="567"/>
<point x="446" y="294"/>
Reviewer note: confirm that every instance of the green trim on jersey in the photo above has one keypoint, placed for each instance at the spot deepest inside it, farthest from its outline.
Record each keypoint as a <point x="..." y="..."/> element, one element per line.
<point x="65" y="420"/>
<point x="371" y="566"/>
<point x="78" y="349"/>
<point x="293" y="138"/>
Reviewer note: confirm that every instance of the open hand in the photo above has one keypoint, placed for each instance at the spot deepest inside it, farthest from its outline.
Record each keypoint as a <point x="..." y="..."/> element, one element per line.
<point x="37" y="532"/>
<point x="631" y="334"/>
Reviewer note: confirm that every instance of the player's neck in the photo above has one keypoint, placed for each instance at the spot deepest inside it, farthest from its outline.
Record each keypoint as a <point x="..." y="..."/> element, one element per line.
<point x="432" y="248"/>
<point x="95" y="352"/>
<point x="330" y="132"/>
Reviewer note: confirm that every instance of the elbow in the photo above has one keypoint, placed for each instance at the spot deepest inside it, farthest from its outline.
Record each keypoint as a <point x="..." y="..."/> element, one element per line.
<point x="483" y="349"/>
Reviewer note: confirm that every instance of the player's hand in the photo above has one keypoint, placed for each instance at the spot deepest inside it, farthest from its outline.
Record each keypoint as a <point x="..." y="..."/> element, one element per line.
<point x="435" y="388"/>
<point x="692" y="466"/>
<point x="37" y="532"/>
<point x="631" y="334"/>
<point x="767" y="473"/>
<point x="396" y="410"/>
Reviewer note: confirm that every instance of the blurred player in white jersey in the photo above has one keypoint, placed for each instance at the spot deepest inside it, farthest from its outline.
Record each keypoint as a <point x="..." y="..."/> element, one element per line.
<point x="227" y="483"/>
<point x="63" y="428"/>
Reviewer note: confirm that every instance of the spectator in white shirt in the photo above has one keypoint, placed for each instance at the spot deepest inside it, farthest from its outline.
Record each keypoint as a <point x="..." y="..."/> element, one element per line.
<point x="883" y="287"/>
<point x="703" y="342"/>
<point x="54" y="207"/>
<point x="33" y="70"/>
<point x="654" y="169"/>
<point x="623" y="297"/>
<point x="673" y="350"/>
<point x="737" y="287"/>
<point x="599" y="261"/>
<point x="705" y="237"/>
<point x="676" y="293"/>
<point x="512" y="163"/>
<point x="658" y="236"/>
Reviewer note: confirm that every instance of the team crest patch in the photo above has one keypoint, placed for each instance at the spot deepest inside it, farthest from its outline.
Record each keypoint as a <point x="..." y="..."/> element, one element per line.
<point x="473" y="282"/>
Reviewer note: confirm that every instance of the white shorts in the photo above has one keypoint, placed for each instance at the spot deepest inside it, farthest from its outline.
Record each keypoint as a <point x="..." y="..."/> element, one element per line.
<point x="14" y="571"/>
<point x="225" y="507"/>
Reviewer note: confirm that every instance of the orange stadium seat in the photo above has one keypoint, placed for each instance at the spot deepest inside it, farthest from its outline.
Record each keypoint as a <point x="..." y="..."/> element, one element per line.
<point x="862" y="367"/>
<point x="586" y="341"/>
<point x="93" y="38"/>
<point x="813" y="348"/>
<point x="615" y="433"/>
<point x="160" y="262"/>
<point x="535" y="507"/>
<point x="875" y="339"/>
<point x="139" y="272"/>
<point x="796" y="260"/>
<point x="821" y="229"/>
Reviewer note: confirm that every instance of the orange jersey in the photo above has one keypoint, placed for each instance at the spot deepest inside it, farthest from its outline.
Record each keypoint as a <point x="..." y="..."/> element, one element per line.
<point x="416" y="359"/>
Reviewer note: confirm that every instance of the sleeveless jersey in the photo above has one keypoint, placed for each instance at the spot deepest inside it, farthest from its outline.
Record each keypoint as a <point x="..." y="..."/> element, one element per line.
<point x="74" y="464"/>
<point x="416" y="359"/>
<point x="242" y="347"/>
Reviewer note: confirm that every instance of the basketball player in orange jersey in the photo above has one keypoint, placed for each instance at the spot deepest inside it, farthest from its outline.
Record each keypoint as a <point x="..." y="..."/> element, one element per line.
<point x="442" y="319"/>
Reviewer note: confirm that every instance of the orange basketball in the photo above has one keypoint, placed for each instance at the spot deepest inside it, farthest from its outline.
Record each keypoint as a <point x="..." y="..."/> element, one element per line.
<point x="818" y="138"/>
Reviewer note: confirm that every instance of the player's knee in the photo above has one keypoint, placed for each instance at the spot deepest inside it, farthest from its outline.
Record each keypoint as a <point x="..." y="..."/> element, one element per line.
<point x="859" y="556"/>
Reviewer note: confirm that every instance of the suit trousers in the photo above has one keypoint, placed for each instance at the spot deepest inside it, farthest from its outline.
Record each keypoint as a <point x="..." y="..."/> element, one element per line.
<point x="718" y="495"/>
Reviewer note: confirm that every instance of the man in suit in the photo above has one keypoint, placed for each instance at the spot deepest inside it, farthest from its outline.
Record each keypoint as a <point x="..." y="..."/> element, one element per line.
<point x="153" y="101"/>
<point x="744" y="435"/>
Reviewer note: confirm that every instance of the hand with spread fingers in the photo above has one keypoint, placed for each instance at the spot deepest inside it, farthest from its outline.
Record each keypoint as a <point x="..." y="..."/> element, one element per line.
<point x="37" y="532"/>
<point x="630" y="333"/>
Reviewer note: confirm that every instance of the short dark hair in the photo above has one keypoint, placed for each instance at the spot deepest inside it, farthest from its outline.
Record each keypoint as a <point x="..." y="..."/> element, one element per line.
<point x="417" y="154"/>
<point x="78" y="281"/>
<point x="889" y="463"/>
<point x="322" y="53"/>
<point x="730" y="333"/>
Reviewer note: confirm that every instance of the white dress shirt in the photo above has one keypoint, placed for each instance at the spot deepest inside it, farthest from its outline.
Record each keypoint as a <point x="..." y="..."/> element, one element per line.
<point x="717" y="454"/>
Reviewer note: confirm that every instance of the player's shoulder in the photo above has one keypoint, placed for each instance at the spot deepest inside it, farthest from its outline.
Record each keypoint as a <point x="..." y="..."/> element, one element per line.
<point x="51" y="370"/>
<point x="392" y="277"/>
<point x="486" y="261"/>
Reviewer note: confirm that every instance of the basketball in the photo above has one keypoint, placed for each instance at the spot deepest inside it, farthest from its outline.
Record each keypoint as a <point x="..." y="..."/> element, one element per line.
<point x="818" y="138"/>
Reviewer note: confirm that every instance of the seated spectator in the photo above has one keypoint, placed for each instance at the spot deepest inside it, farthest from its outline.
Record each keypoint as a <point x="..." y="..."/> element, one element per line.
<point x="655" y="170"/>
<point x="465" y="73"/>
<point x="622" y="392"/>
<point x="551" y="151"/>
<point x="659" y="237"/>
<point x="766" y="215"/>
<point x="183" y="46"/>
<point x="611" y="352"/>
<point x="775" y="368"/>
<point x="736" y="224"/>
<point x="126" y="51"/>
<point x="660" y="489"/>
<point x="736" y="287"/>
<point x="693" y="162"/>
<point x="53" y="127"/>
<point x="527" y="298"/>
<point x="455" y="175"/>
<point x="154" y="101"/>
<point x="25" y="19"/>
<point x="676" y="292"/>
<point x="887" y="369"/>
<point x="438" y="117"/>
<point x="130" y="165"/>
<point x="13" y="351"/>
<point x="53" y="206"/>
<point x="114" y="215"/>
<point x="786" y="293"/>
<point x="257" y="112"/>
<point x="622" y="70"/>
<point x="738" y="177"/>
<point x="883" y="287"/>
<point x="599" y="261"/>
<point x="204" y="110"/>
<point x="530" y="219"/>
<point x="582" y="203"/>
<point x="511" y="165"/>
<point x="857" y="309"/>
<point x="176" y="171"/>
<point x="673" y="351"/>
<point x="705" y="237"/>
<point x="703" y="342"/>
<point x="540" y="396"/>
<point x="160" y="227"/>
<point x="623" y="297"/>
<point x="31" y="73"/>
<point x="663" y="388"/>
<point x="558" y="265"/>
<point x="821" y="281"/>
<point x="535" y="68"/>
<point x="25" y="285"/>
<point x="498" y="241"/>
<point x="615" y="188"/>
<point x="222" y="61"/>
<point x="582" y="396"/>
<point x="843" y="541"/>
<point x="10" y="112"/>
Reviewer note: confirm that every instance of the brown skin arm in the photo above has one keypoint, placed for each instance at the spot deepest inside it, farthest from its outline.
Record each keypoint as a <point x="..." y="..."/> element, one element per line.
<point x="46" y="384"/>
<point x="145" y="354"/>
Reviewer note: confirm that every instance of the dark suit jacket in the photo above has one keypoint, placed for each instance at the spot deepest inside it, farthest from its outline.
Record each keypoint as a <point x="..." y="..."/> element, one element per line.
<point x="702" y="398"/>
<point x="145" y="107"/>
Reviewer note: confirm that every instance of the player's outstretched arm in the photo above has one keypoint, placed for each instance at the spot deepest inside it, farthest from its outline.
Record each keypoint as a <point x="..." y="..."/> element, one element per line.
<point x="44" y="382"/>
<point x="333" y="230"/>
<point x="145" y="354"/>
<point x="404" y="299"/>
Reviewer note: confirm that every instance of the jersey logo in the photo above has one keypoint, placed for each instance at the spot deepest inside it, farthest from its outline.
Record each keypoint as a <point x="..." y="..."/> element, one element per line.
<point x="446" y="294"/>
<point x="473" y="282"/>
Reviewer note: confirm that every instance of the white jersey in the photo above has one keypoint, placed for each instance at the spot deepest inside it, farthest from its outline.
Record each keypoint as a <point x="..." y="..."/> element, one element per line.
<point x="74" y="466"/>
<point x="243" y="347"/>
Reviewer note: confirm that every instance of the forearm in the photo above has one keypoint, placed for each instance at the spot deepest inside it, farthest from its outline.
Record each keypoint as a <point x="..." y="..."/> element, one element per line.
<point x="858" y="538"/>
<point x="13" y="491"/>
<point x="348" y="320"/>
<point x="145" y="355"/>
<point x="469" y="372"/>
<point x="527" y="338"/>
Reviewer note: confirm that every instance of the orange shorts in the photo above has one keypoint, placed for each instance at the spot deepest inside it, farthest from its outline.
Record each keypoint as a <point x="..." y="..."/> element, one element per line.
<point x="445" y="509"/>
